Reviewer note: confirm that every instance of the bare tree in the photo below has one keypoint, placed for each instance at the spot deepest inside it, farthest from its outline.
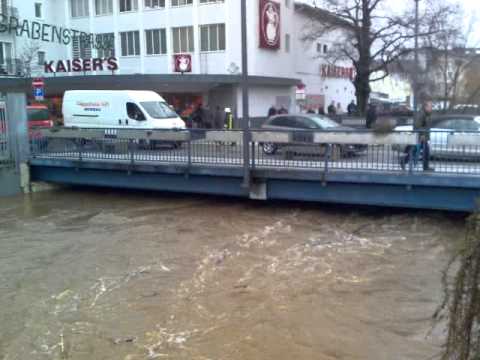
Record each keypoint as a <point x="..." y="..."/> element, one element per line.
<point x="447" y="52"/>
<point x="27" y="56"/>
<point x="374" y="37"/>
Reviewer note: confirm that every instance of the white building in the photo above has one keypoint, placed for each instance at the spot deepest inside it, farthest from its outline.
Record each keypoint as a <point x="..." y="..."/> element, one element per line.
<point x="150" y="35"/>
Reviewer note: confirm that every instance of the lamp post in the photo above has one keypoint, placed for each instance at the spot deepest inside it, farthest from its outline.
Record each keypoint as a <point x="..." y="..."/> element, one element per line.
<point x="416" y="71"/>
<point x="245" y="104"/>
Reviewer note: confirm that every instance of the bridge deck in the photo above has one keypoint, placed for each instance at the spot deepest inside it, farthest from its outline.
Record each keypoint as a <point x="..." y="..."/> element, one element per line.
<point x="370" y="176"/>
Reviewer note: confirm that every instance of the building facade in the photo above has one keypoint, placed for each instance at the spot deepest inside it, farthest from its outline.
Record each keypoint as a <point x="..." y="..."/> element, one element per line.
<point x="154" y="41"/>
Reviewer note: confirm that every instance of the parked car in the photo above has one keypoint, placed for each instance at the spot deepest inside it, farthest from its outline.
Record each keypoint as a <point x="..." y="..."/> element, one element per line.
<point x="441" y="128"/>
<point x="301" y="123"/>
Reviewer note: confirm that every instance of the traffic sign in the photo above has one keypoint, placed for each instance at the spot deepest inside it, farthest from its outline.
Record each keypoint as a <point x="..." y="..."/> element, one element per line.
<point x="38" y="82"/>
<point x="39" y="93"/>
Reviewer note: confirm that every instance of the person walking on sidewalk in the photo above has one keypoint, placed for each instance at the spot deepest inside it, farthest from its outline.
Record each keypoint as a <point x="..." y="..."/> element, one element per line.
<point x="422" y="124"/>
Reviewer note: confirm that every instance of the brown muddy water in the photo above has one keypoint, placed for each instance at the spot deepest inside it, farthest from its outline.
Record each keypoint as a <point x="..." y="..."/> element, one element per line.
<point x="102" y="274"/>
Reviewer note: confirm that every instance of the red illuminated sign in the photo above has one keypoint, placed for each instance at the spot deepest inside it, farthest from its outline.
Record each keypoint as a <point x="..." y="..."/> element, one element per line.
<point x="331" y="71"/>
<point x="269" y="24"/>
<point x="183" y="63"/>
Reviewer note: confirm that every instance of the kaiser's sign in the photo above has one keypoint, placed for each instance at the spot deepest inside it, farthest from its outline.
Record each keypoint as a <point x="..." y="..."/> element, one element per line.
<point x="269" y="24"/>
<point x="81" y="65"/>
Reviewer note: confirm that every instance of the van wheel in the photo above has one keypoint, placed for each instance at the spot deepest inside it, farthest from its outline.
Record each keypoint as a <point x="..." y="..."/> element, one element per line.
<point x="269" y="148"/>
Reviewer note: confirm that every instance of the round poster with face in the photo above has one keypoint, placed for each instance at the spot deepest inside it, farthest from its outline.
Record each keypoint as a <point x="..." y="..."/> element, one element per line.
<point x="269" y="24"/>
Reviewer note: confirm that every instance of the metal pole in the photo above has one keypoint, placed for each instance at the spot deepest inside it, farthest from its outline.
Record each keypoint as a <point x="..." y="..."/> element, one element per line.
<point x="416" y="71"/>
<point x="245" y="104"/>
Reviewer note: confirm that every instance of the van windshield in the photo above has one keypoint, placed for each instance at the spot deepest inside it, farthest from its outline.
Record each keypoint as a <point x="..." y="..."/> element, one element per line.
<point x="158" y="110"/>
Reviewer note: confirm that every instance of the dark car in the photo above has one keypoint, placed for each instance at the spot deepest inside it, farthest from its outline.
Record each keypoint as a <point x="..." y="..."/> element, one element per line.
<point x="304" y="125"/>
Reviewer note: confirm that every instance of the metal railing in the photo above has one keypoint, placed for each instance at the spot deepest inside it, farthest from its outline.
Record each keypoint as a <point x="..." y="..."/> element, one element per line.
<point x="325" y="151"/>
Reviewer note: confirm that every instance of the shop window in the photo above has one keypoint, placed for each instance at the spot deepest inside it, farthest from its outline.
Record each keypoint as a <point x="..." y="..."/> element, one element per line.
<point x="105" y="45"/>
<point x="183" y="39"/>
<point x="81" y="47"/>
<point x="211" y="1"/>
<point x="212" y="37"/>
<point x="38" y="10"/>
<point x="79" y="8"/>
<point x="41" y="57"/>
<point x="130" y="42"/>
<point x="103" y="7"/>
<point x="156" y="41"/>
<point x="181" y="2"/>
<point x="128" y="5"/>
<point x="154" y="4"/>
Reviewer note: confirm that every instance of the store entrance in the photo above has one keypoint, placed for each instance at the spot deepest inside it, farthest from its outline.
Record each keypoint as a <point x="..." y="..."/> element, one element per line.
<point x="184" y="104"/>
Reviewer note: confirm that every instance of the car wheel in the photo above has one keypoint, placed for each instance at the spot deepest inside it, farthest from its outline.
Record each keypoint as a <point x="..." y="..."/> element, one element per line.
<point x="269" y="148"/>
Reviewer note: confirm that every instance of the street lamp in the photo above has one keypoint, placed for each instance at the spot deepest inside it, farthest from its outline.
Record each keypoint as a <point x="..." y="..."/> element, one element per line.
<point x="245" y="104"/>
<point x="416" y="71"/>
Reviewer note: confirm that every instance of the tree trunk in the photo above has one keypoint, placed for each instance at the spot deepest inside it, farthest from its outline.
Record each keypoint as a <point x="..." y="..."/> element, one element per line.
<point x="362" y="92"/>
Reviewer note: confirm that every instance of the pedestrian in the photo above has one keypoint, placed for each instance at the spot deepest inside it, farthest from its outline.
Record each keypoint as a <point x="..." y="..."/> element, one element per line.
<point x="198" y="116"/>
<point x="339" y="109"/>
<point x="272" y="111"/>
<point x="371" y="117"/>
<point x="218" y="118"/>
<point x="422" y="124"/>
<point x="283" y="110"/>
<point x="352" y="108"/>
<point x="332" y="111"/>
<point x="321" y="110"/>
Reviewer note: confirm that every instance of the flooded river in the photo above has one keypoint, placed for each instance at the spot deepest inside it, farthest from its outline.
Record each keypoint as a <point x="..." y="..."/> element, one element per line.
<point x="104" y="274"/>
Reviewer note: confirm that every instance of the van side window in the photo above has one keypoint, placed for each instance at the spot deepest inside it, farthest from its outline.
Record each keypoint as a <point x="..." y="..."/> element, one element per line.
<point x="134" y="112"/>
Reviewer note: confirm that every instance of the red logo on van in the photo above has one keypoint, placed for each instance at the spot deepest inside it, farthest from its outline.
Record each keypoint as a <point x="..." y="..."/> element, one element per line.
<point x="183" y="63"/>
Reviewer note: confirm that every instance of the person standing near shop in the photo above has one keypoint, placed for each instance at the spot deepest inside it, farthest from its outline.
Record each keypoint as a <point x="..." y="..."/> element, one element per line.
<point x="352" y="108"/>
<point x="218" y="118"/>
<point x="332" y="110"/>
<point x="371" y="117"/>
<point x="272" y="111"/>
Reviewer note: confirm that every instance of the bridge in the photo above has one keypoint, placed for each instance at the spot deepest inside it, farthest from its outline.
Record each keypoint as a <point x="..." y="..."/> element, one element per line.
<point x="305" y="165"/>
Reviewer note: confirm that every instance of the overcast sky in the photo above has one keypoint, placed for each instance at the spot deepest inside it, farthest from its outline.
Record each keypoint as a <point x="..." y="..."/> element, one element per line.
<point x="472" y="11"/>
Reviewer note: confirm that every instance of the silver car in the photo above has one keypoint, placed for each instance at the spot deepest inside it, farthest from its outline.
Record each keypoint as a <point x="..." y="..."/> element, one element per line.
<point x="300" y="124"/>
<point x="446" y="125"/>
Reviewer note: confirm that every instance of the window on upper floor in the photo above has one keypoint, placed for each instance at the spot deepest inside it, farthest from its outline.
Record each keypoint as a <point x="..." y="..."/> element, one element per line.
<point x="130" y="42"/>
<point x="38" y="10"/>
<point x="181" y="2"/>
<point x="41" y="57"/>
<point x="211" y="1"/>
<point x="3" y="7"/>
<point x="154" y="4"/>
<point x="319" y="47"/>
<point x="81" y="47"/>
<point x="105" y="44"/>
<point x="156" y="41"/>
<point x="79" y="8"/>
<point x="182" y="38"/>
<point x="103" y="7"/>
<point x="287" y="43"/>
<point x="287" y="3"/>
<point x="325" y="49"/>
<point x="128" y="5"/>
<point x="212" y="37"/>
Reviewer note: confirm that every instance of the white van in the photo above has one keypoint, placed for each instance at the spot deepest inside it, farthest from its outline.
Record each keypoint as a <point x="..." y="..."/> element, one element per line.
<point x="118" y="109"/>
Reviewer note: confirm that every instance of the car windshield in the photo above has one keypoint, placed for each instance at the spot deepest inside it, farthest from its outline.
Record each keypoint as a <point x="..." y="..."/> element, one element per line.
<point x="37" y="114"/>
<point x="158" y="110"/>
<point x="324" y="122"/>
